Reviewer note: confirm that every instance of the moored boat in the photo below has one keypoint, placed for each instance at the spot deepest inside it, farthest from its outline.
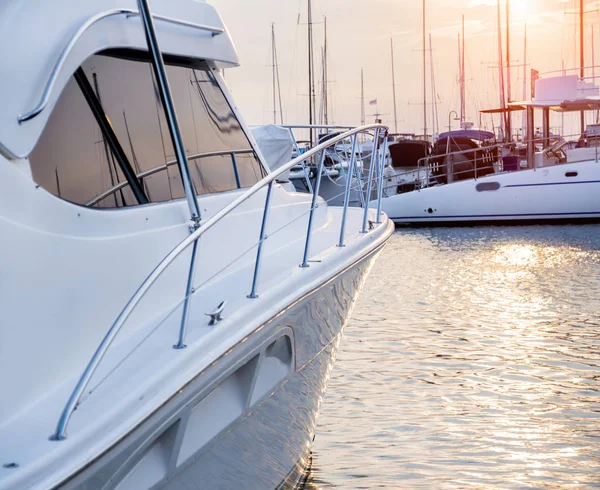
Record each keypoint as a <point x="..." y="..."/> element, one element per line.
<point x="171" y="311"/>
<point x="557" y="181"/>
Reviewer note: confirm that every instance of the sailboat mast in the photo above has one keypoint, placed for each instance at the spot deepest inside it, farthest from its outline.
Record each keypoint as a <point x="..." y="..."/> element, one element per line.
<point x="581" y="57"/>
<point x="434" y="114"/>
<point x="424" y="76"/>
<point x="274" y="75"/>
<point x="278" y="82"/>
<point x="460" y="94"/>
<point x="325" y="88"/>
<point x="362" y="98"/>
<point x="311" y="85"/>
<point x="394" y="87"/>
<point x="462" y="75"/>
<point x="525" y="64"/>
<point x="593" y="58"/>
<point x="501" y="68"/>
<point x="524" y="117"/>
<point x="508" y="88"/>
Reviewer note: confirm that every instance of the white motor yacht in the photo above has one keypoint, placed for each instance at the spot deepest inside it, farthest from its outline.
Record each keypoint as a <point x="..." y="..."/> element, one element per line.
<point x="171" y="313"/>
<point x="557" y="181"/>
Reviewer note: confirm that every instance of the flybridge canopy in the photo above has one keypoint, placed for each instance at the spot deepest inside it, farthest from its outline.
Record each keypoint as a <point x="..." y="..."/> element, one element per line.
<point x="50" y="40"/>
<point x="562" y="94"/>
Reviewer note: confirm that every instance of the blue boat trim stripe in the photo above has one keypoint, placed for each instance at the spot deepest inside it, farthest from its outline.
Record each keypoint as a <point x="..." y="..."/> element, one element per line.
<point x="483" y="216"/>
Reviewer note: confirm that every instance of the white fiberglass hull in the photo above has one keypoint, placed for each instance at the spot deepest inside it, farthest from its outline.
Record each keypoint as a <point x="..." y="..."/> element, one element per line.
<point x="565" y="192"/>
<point x="248" y="420"/>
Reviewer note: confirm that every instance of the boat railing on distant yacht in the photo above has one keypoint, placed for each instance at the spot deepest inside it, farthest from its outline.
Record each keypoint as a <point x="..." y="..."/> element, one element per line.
<point x="338" y="167"/>
<point x="374" y="184"/>
<point x="446" y="168"/>
<point x="435" y="170"/>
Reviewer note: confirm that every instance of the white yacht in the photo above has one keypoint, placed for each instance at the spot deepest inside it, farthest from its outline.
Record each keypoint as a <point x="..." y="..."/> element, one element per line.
<point x="476" y="182"/>
<point x="171" y="313"/>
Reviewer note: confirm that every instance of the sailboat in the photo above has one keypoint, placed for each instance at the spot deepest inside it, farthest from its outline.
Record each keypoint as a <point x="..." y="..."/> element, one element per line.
<point x="555" y="181"/>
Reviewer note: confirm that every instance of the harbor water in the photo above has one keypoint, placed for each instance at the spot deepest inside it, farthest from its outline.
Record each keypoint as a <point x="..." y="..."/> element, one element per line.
<point x="471" y="361"/>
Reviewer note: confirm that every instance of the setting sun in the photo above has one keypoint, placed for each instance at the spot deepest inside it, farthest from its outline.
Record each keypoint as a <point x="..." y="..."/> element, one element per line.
<point x="522" y="8"/>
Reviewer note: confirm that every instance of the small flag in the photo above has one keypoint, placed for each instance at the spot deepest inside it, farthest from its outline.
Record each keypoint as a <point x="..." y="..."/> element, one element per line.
<point x="373" y="102"/>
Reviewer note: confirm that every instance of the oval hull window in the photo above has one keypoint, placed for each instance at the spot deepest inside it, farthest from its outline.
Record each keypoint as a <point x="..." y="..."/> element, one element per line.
<point x="487" y="186"/>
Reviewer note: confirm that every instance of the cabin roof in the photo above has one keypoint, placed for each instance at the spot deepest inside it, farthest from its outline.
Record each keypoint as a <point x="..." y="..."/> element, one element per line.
<point x="562" y="94"/>
<point x="575" y="105"/>
<point x="474" y="134"/>
<point x="50" y="40"/>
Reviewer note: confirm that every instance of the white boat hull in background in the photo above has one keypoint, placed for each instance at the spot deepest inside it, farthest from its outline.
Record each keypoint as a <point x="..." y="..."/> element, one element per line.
<point x="560" y="193"/>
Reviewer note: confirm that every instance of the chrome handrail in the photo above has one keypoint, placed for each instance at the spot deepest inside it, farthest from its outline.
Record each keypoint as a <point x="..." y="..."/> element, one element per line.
<point x="161" y="168"/>
<point x="80" y="31"/>
<point x="77" y="393"/>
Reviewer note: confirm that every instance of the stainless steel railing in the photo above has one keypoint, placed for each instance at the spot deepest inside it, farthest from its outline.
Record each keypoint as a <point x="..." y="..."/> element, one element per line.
<point x="479" y="161"/>
<point x="161" y="168"/>
<point x="376" y="172"/>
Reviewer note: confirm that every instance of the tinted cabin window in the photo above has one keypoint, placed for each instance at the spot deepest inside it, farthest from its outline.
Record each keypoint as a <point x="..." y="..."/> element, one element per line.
<point x="72" y="159"/>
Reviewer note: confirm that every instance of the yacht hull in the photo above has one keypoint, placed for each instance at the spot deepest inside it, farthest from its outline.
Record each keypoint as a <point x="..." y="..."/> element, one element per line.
<point x="249" y="419"/>
<point x="558" y="194"/>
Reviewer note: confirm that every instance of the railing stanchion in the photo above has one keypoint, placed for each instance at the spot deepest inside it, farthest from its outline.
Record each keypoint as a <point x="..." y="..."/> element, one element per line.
<point x="262" y="238"/>
<point x="348" y="188"/>
<point x="370" y="182"/>
<point x="312" y="209"/>
<point x="189" y="290"/>
<point x="381" y="169"/>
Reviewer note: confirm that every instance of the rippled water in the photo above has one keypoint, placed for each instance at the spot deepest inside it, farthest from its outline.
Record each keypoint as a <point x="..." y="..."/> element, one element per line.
<point x="471" y="361"/>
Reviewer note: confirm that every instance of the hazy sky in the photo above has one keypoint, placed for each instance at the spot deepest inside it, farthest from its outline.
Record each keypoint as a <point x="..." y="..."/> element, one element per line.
<point x="359" y="33"/>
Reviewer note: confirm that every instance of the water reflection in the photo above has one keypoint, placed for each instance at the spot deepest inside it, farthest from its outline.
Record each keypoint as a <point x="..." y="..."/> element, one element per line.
<point x="471" y="361"/>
